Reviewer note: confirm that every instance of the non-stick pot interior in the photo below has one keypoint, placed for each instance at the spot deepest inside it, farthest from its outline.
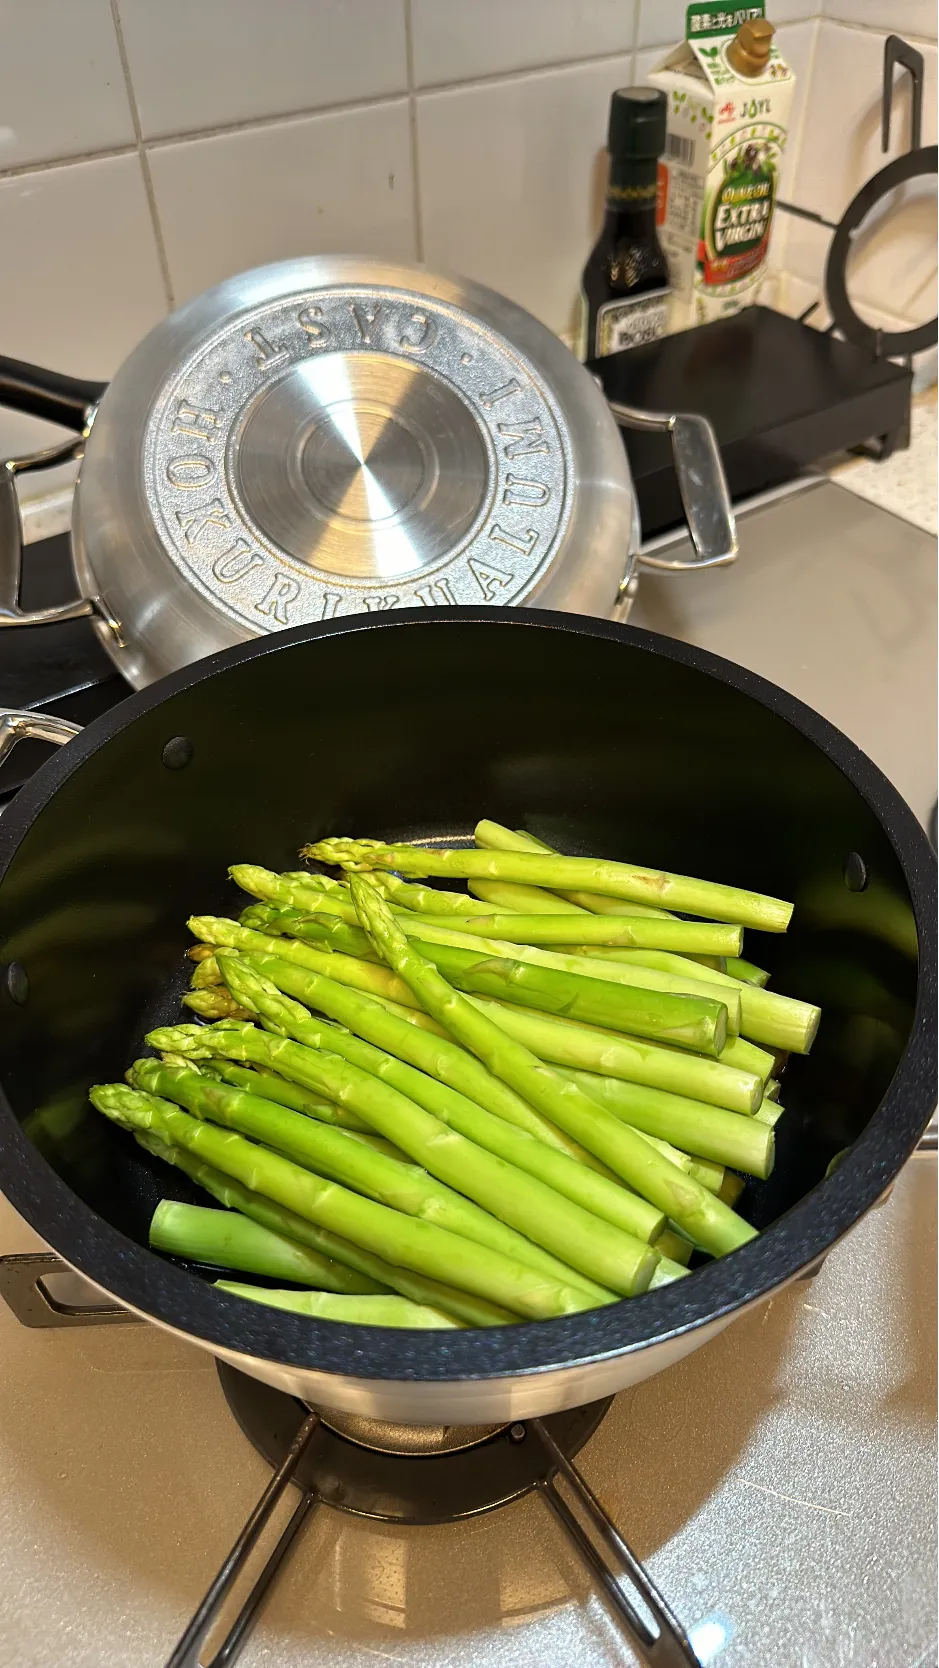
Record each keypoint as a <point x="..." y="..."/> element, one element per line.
<point x="414" y="729"/>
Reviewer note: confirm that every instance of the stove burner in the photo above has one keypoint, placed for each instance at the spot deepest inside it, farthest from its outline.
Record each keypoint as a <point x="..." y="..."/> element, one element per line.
<point x="399" y="1473"/>
<point x="436" y="1481"/>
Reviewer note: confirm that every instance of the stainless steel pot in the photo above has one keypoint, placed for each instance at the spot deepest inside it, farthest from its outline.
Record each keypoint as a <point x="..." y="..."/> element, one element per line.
<point x="334" y="436"/>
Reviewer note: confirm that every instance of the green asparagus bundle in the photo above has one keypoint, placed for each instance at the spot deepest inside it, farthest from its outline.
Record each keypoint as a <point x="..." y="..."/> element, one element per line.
<point x="618" y="880"/>
<point x="401" y="1239"/>
<point x="709" y="1223"/>
<point x="353" y="1268"/>
<point x="333" y="1153"/>
<point x="423" y="1107"/>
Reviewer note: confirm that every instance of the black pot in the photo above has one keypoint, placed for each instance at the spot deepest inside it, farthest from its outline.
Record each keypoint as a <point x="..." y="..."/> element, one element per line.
<point x="600" y="738"/>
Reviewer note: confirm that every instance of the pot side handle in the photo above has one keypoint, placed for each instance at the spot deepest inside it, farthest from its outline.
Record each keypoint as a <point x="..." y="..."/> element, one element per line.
<point x="701" y="482"/>
<point x="36" y="726"/>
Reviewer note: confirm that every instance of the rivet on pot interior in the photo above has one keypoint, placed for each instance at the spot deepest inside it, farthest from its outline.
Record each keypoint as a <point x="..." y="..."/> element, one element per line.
<point x="16" y="982"/>
<point x="855" y="872"/>
<point x="178" y="752"/>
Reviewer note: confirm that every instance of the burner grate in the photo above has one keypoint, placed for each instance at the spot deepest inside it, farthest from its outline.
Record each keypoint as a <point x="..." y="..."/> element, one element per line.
<point x="440" y="1484"/>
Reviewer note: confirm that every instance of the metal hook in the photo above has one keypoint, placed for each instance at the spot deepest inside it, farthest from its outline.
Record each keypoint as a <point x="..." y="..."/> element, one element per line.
<point x="898" y="51"/>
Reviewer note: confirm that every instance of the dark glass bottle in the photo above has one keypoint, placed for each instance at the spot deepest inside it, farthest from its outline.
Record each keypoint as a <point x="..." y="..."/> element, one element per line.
<point x="624" y="288"/>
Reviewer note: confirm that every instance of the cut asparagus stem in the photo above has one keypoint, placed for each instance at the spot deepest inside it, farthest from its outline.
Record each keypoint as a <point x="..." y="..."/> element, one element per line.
<point x="530" y="900"/>
<point x="458" y="955"/>
<point x="765" y="1016"/>
<point x="422" y="1246"/>
<point x="479" y="1158"/>
<point x="744" y="1056"/>
<point x="364" y="1271"/>
<point x="667" y="1271"/>
<point x="228" y="1240"/>
<point x="675" y="1246"/>
<point x="215" y="1003"/>
<point x="707" y="1131"/>
<point x="561" y="1043"/>
<point x="271" y="1087"/>
<point x="731" y="1188"/>
<point x="492" y="836"/>
<point x="331" y="1152"/>
<point x="708" y="1174"/>
<point x="346" y="970"/>
<point x="619" y="932"/>
<point x="353" y="1311"/>
<point x="602" y="1198"/>
<point x="679" y="1196"/>
<point x="738" y="968"/>
<point x="769" y="1114"/>
<point x="771" y="1091"/>
<point x="623" y="880"/>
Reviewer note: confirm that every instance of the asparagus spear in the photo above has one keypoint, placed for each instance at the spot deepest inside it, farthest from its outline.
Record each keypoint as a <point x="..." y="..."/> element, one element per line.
<point x="622" y="880"/>
<point x="457" y="955"/>
<point x="675" y="1246"/>
<point x="428" y="900"/>
<point x="206" y="973"/>
<point x="493" y="837"/>
<point x="552" y="983"/>
<point x="354" y="1311"/>
<point x="707" y="1221"/>
<point x="562" y="1043"/>
<point x="724" y="1137"/>
<point x="422" y="1246"/>
<point x="731" y="1188"/>
<point x="530" y="900"/>
<point x="358" y="975"/>
<point x="741" y="1055"/>
<point x="363" y="1271"/>
<point x="226" y="1239"/>
<point x="765" y="1015"/>
<point x="271" y="1087"/>
<point x="332" y="1152"/>
<point x="769" y="1114"/>
<point x="745" y="970"/>
<point x="667" y="1271"/>
<point x="215" y="1003"/>
<point x="300" y="891"/>
<point x="710" y="1175"/>
<point x="599" y="1197"/>
<point x="636" y="932"/>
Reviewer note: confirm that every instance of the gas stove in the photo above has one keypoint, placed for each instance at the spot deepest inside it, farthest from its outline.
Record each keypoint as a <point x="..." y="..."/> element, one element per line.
<point x="778" y="1483"/>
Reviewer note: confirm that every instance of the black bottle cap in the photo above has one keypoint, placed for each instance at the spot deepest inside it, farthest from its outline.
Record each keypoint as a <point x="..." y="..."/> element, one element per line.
<point x="637" y="123"/>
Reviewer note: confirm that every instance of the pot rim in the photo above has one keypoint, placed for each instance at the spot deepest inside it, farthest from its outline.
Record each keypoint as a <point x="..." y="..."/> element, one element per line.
<point x="176" y="1298"/>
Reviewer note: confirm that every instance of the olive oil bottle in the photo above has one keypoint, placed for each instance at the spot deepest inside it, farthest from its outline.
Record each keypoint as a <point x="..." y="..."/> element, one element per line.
<point x="624" y="288"/>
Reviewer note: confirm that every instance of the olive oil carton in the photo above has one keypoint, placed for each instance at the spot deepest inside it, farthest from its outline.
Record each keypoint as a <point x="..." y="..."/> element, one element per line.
<point x="729" y="96"/>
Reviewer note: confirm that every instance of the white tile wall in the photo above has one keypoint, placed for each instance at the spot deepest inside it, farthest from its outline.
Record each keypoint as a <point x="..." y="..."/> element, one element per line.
<point x="150" y="147"/>
<point x="67" y="49"/>
<point x="198" y="64"/>
<point x="334" y="183"/>
<point x="456" y="41"/>
<point x="512" y="179"/>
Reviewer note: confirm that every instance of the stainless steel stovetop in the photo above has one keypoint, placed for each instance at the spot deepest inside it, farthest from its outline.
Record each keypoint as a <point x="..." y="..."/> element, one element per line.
<point x="780" y="1482"/>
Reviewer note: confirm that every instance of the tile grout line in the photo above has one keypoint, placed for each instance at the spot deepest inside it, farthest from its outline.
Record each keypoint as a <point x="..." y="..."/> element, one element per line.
<point x="144" y="162"/>
<point x="417" y="207"/>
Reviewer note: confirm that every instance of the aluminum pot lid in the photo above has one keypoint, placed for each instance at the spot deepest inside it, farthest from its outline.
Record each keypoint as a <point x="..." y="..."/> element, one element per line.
<point x="336" y="435"/>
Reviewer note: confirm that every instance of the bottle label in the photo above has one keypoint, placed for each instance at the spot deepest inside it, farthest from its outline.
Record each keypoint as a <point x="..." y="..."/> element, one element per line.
<point x="629" y="321"/>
